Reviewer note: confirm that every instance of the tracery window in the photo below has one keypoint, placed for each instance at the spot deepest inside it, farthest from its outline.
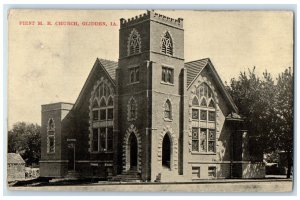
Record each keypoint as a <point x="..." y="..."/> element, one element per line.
<point x="51" y="136"/>
<point x="102" y="118"/>
<point x="134" y="43"/>
<point x="167" y="44"/>
<point x="204" y="112"/>
<point x="168" y="110"/>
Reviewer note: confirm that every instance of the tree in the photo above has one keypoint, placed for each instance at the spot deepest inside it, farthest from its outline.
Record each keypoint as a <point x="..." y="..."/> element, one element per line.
<point x="284" y="118"/>
<point x="25" y="139"/>
<point x="267" y="108"/>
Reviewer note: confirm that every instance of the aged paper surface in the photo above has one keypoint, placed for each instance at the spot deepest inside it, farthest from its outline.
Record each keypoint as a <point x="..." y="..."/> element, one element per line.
<point x="52" y="52"/>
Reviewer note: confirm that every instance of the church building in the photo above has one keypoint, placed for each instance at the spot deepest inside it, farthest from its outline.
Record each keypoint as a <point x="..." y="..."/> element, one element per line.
<point x="151" y="116"/>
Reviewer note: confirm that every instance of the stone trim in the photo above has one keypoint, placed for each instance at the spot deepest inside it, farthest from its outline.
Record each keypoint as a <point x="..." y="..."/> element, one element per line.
<point x="126" y="148"/>
<point x="92" y="98"/>
<point x="216" y="100"/>
<point x="54" y="161"/>
<point x="174" y="147"/>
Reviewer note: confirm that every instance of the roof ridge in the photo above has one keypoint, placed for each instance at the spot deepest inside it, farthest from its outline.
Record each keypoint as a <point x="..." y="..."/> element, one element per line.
<point x="197" y="60"/>
<point x="107" y="60"/>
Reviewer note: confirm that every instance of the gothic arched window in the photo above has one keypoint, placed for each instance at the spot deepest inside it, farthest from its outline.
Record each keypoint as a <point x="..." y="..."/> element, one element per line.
<point x="132" y="112"/>
<point x="168" y="110"/>
<point x="204" y="134"/>
<point x="134" y="43"/>
<point x="167" y="44"/>
<point x="102" y="118"/>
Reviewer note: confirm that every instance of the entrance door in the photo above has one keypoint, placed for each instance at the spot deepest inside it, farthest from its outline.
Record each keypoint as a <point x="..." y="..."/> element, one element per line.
<point x="133" y="151"/>
<point x="166" y="151"/>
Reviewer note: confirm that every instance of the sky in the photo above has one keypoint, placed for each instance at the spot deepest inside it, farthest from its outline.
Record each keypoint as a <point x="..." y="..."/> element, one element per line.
<point x="48" y="64"/>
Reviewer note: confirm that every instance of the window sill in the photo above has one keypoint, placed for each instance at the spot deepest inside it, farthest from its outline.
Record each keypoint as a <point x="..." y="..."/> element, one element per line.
<point x="103" y="120"/>
<point x="101" y="152"/>
<point x="132" y="119"/>
<point x="168" y="120"/>
<point x="166" y="83"/>
<point x="203" y="153"/>
<point x="133" y="83"/>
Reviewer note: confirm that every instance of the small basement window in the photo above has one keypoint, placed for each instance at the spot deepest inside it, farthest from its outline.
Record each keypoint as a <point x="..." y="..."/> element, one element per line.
<point x="196" y="172"/>
<point x="212" y="172"/>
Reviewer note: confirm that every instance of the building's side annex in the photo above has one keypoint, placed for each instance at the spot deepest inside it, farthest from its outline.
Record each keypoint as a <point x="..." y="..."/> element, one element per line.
<point x="149" y="116"/>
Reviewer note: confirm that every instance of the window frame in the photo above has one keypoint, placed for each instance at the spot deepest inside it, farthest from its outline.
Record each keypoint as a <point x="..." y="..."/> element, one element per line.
<point x="206" y="122"/>
<point x="134" y="75"/>
<point x="196" y="171"/>
<point x="133" y="50"/>
<point x="213" y="170"/>
<point x="51" y="148"/>
<point x="167" y="75"/>
<point x="132" y="115"/>
<point x="50" y="136"/>
<point x="168" y="114"/>
<point x="100" y="148"/>
<point x="104" y="95"/>
<point x="165" y="48"/>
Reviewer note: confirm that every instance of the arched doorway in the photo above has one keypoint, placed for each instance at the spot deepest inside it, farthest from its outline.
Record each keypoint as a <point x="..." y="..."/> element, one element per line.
<point x="166" y="151"/>
<point x="133" y="151"/>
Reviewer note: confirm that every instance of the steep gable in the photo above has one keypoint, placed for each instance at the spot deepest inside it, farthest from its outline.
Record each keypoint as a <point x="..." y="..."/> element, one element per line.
<point x="108" y="68"/>
<point x="194" y="69"/>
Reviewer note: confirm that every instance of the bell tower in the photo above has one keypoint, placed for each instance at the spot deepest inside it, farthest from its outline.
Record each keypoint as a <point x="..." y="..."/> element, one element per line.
<point x="149" y="90"/>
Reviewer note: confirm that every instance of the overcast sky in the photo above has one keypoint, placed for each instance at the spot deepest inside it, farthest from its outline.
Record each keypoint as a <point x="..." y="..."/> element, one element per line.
<point x="49" y="64"/>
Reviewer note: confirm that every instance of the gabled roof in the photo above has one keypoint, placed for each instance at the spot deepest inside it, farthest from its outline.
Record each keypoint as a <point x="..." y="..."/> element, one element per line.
<point x="108" y="66"/>
<point x="194" y="68"/>
<point x="14" y="158"/>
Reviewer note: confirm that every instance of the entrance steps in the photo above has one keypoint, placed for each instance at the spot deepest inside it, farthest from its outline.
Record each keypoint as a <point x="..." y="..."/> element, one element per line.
<point x="127" y="176"/>
<point x="72" y="175"/>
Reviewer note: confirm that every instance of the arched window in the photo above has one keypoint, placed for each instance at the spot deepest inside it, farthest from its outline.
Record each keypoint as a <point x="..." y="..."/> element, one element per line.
<point x="195" y="101"/>
<point x="95" y="110"/>
<point x="211" y="104"/>
<point x="110" y="108"/>
<point x="132" y="113"/>
<point x="51" y="125"/>
<point x="102" y="111"/>
<point x="204" y="134"/>
<point x="134" y="43"/>
<point x="51" y="136"/>
<point x="203" y="102"/>
<point x="168" y="110"/>
<point x="167" y="44"/>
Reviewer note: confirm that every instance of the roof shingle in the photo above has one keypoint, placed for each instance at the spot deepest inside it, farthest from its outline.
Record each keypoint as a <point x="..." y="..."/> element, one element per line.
<point x="193" y="68"/>
<point x="110" y="67"/>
